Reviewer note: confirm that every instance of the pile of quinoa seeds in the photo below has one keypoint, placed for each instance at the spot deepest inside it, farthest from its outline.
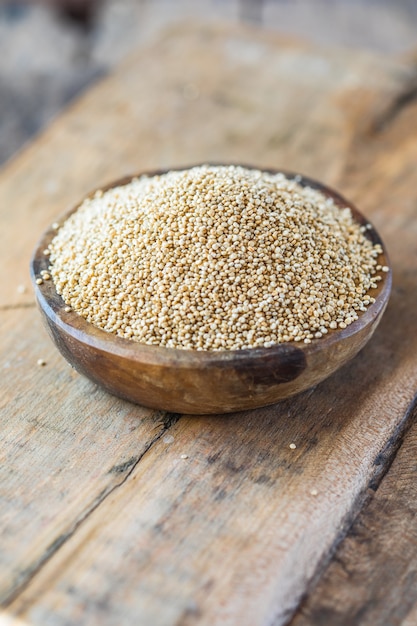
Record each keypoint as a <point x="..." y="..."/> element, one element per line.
<point x="214" y="258"/>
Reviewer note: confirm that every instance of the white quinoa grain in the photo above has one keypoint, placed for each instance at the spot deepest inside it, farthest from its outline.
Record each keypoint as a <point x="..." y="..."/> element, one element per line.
<point x="214" y="258"/>
<point x="293" y="446"/>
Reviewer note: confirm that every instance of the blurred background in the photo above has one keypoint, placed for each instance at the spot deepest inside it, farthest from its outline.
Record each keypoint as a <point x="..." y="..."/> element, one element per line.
<point x="50" y="50"/>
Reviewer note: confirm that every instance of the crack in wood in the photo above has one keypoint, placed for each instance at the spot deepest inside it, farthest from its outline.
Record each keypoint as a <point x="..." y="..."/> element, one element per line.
<point x="27" y="575"/>
<point x="403" y="99"/>
<point x="382" y="465"/>
<point x="387" y="456"/>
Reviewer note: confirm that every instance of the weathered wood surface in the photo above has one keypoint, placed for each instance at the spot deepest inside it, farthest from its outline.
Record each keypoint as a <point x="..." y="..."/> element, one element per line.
<point x="103" y="521"/>
<point x="372" y="579"/>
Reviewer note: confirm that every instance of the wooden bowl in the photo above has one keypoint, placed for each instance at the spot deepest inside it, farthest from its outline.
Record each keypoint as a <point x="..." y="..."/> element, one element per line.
<point x="199" y="382"/>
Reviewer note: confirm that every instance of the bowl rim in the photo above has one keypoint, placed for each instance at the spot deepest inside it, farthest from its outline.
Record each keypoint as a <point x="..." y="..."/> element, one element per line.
<point x="84" y="332"/>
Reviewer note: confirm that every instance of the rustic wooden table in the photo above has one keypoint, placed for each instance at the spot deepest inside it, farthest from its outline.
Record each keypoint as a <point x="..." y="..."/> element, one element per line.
<point x="113" y="514"/>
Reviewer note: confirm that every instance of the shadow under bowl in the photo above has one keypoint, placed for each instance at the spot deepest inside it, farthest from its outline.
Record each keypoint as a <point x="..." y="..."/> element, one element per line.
<point x="203" y="382"/>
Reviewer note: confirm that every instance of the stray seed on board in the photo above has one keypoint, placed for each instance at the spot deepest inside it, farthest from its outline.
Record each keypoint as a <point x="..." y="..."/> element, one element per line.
<point x="184" y="456"/>
<point x="314" y="492"/>
<point x="21" y="289"/>
<point x="292" y="446"/>
<point x="41" y="362"/>
<point x="39" y="281"/>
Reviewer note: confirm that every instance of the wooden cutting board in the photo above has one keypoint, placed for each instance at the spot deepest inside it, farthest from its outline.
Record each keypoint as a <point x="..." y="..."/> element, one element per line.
<point x="111" y="513"/>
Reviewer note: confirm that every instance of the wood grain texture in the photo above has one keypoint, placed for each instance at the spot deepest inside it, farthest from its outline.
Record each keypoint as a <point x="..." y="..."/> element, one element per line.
<point x="372" y="578"/>
<point x="232" y="533"/>
<point x="57" y="463"/>
<point x="204" y="382"/>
